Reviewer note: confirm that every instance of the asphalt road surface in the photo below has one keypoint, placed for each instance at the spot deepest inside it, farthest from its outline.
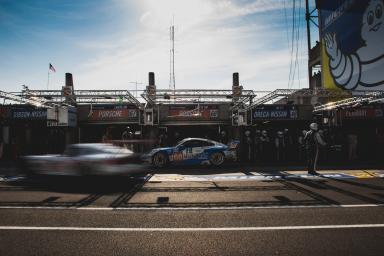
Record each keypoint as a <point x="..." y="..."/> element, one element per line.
<point x="195" y="212"/>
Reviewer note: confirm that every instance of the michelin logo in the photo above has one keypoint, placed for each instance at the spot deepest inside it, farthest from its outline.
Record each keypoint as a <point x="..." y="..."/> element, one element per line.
<point x="364" y="69"/>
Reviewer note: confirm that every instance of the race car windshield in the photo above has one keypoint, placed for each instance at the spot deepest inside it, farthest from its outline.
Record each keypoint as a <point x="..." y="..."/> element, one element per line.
<point x="179" y="143"/>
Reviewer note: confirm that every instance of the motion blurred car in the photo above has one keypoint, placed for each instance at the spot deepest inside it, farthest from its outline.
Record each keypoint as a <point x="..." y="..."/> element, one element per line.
<point x="85" y="159"/>
<point x="192" y="151"/>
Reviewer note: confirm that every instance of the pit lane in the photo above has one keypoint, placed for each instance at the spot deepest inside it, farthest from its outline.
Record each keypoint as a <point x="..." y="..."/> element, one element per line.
<point x="195" y="212"/>
<point x="197" y="189"/>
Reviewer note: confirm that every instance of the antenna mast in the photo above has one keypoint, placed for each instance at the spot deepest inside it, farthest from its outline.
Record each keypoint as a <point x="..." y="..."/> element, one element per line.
<point x="172" y="84"/>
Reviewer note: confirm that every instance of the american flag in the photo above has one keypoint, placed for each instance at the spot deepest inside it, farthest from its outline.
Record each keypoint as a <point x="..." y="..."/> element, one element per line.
<point x="51" y="67"/>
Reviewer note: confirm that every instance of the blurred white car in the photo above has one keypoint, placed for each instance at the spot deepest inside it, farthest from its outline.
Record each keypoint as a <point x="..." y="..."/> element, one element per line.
<point x="86" y="159"/>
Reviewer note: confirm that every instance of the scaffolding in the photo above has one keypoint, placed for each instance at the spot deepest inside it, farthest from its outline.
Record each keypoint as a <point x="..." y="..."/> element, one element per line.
<point x="275" y="95"/>
<point x="164" y="96"/>
<point x="247" y="100"/>
<point x="33" y="101"/>
<point x="292" y="93"/>
<point x="364" y="98"/>
<point x="52" y="97"/>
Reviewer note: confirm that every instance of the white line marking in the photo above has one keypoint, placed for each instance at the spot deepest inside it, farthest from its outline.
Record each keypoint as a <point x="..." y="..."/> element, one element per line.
<point x="189" y="208"/>
<point x="192" y="229"/>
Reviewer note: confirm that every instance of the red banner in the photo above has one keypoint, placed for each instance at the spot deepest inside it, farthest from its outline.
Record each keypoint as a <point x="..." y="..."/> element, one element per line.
<point x="363" y="113"/>
<point x="108" y="113"/>
<point x="194" y="112"/>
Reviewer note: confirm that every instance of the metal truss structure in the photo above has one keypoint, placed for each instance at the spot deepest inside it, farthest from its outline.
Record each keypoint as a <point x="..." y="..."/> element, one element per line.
<point x="105" y="96"/>
<point x="275" y="95"/>
<point x="247" y="100"/>
<point x="34" y="101"/>
<point x="164" y="96"/>
<point x="292" y="93"/>
<point x="80" y="97"/>
<point x="365" y="98"/>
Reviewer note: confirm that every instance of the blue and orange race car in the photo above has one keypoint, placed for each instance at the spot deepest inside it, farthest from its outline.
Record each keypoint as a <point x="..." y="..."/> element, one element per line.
<point x="192" y="151"/>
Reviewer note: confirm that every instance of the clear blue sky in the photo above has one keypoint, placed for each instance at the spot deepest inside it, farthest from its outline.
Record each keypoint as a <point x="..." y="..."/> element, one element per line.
<point x="107" y="44"/>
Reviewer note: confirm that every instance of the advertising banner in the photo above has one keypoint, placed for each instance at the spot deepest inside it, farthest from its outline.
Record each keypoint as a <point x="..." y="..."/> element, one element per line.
<point x="194" y="112"/>
<point x="108" y="113"/>
<point x="28" y="113"/>
<point x="352" y="36"/>
<point x="275" y="112"/>
<point x="363" y="113"/>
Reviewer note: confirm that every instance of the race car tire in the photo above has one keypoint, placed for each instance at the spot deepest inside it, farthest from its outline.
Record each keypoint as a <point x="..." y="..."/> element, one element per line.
<point x="216" y="158"/>
<point x="159" y="160"/>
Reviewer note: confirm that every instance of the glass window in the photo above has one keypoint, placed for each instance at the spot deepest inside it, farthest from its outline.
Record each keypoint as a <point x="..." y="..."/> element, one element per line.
<point x="196" y="143"/>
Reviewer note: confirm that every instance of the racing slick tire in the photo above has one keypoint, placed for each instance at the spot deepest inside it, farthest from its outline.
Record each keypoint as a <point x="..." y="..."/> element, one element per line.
<point x="216" y="159"/>
<point x="159" y="160"/>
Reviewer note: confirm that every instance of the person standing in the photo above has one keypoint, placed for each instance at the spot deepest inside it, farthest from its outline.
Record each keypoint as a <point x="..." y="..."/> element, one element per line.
<point x="265" y="146"/>
<point x="280" y="146"/>
<point x="126" y="136"/>
<point x="107" y="137"/>
<point x="288" y="145"/>
<point x="249" y="142"/>
<point x="223" y="137"/>
<point x="301" y="145"/>
<point x="352" y="146"/>
<point x="257" y="145"/>
<point x="312" y="142"/>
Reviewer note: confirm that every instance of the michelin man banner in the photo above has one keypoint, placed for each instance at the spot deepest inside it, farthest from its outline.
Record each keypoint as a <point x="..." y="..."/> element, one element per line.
<point x="352" y="37"/>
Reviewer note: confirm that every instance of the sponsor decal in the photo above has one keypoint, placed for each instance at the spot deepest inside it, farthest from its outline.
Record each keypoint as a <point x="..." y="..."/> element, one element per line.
<point x="188" y="154"/>
<point x="181" y="156"/>
<point x="177" y="156"/>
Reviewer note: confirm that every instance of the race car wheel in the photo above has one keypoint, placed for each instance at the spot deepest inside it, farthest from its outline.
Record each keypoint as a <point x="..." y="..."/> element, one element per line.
<point x="216" y="159"/>
<point x="159" y="160"/>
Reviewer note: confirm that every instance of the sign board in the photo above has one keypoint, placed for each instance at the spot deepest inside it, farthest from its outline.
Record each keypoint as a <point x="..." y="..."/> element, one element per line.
<point x="236" y="91"/>
<point x="28" y="113"/>
<point x="194" y="112"/>
<point x="108" y="113"/>
<point x="239" y="117"/>
<point x="275" y="112"/>
<point x="62" y="116"/>
<point x="352" y="36"/>
<point x="363" y="113"/>
<point x="67" y="90"/>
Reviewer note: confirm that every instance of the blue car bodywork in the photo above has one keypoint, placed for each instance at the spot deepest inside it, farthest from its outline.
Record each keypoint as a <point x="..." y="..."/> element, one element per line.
<point x="193" y="151"/>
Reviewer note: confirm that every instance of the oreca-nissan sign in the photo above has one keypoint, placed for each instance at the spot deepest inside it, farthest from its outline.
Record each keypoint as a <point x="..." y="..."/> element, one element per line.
<point x="275" y="112"/>
<point x="270" y="114"/>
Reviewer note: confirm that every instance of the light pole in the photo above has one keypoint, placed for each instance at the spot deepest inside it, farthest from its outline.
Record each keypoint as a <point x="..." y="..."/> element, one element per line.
<point x="136" y="83"/>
